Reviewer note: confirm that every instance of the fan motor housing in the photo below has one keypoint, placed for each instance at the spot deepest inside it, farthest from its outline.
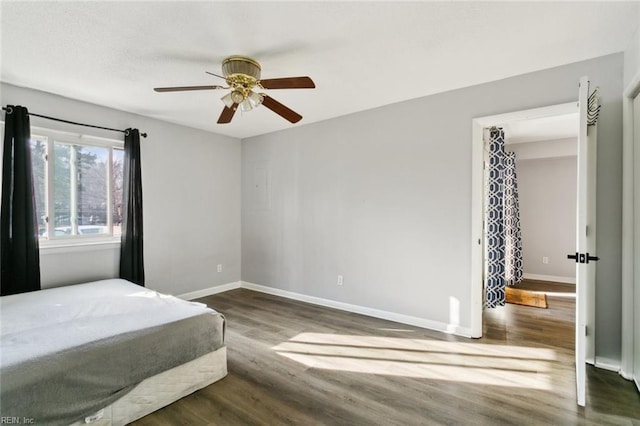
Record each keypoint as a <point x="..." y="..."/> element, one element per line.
<point x="241" y="65"/>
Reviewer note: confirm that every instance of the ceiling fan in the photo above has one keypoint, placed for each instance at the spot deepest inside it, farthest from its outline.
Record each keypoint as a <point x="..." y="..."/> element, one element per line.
<point x="242" y="75"/>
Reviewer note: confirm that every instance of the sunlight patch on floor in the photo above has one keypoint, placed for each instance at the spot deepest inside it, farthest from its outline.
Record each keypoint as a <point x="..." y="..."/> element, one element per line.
<point x="478" y="363"/>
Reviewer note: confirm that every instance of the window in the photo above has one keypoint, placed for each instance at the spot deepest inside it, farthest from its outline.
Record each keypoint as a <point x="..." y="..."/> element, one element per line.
<point x="78" y="182"/>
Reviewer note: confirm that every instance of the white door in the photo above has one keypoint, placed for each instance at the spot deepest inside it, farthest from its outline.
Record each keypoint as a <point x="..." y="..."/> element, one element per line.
<point x="585" y="255"/>
<point x="636" y="225"/>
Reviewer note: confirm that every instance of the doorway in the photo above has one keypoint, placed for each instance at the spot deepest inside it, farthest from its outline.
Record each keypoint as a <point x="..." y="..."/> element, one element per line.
<point x="527" y="125"/>
<point x="540" y="212"/>
<point x="584" y="256"/>
<point x="542" y="150"/>
<point x="545" y="157"/>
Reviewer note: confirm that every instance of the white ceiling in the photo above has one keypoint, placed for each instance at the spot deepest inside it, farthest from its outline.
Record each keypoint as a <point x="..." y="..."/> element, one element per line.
<point x="361" y="55"/>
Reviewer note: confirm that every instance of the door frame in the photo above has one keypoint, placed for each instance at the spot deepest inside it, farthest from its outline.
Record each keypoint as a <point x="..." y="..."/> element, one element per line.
<point x="630" y="231"/>
<point x="477" y="206"/>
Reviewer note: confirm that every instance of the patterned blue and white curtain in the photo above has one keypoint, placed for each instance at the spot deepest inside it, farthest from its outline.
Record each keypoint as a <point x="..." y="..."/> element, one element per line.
<point x="513" y="237"/>
<point x="504" y="242"/>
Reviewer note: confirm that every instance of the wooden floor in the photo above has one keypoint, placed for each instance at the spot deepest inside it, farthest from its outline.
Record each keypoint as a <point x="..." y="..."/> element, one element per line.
<point x="296" y="363"/>
<point x="550" y="288"/>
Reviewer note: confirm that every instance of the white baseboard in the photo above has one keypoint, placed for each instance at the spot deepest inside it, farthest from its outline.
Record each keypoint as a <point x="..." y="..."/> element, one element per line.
<point x="608" y="364"/>
<point x="209" y="291"/>
<point x="538" y="277"/>
<point x="627" y="376"/>
<point x="362" y="310"/>
<point x="630" y="377"/>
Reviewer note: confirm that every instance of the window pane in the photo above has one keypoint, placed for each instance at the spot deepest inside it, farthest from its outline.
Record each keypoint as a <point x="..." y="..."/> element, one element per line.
<point x="117" y="185"/>
<point x="92" y="187"/>
<point x="62" y="189"/>
<point x="80" y="189"/>
<point x="39" y="166"/>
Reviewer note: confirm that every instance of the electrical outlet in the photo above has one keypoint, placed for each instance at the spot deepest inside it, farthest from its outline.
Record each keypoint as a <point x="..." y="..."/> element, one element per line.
<point x="545" y="260"/>
<point x="340" y="280"/>
<point x="219" y="267"/>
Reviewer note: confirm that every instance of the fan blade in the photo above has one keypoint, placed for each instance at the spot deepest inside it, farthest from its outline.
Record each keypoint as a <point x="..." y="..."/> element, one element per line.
<point x="278" y="108"/>
<point x="185" y="88"/>
<point x="288" y="83"/>
<point x="227" y="114"/>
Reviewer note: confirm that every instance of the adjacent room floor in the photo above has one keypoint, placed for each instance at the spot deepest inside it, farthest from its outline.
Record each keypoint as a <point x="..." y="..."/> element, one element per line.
<point x="295" y="363"/>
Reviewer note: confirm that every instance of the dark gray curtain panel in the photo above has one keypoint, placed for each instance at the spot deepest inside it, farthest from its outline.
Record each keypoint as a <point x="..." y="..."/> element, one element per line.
<point x="131" y="249"/>
<point x="19" y="250"/>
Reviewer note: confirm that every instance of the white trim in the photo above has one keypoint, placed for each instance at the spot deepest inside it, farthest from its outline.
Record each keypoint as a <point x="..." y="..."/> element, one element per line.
<point x="52" y="136"/>
<point x="477" y="188"/>
<point x="627" y="377"/>
<point x="633" y="88"/>
<point x="78" y="245"/>
<point x="608" y="364"/>
<point x="210" y="290"/>
<point x="78" y="138"/>
<point x="477" y="227"/>
<point x="557" y="279"/>
<point x="362" y="310"/>
<point x="628" y="231"/>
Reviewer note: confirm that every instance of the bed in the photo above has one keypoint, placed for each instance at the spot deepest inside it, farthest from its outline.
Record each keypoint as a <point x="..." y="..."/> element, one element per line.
<point x="103" y="353"/>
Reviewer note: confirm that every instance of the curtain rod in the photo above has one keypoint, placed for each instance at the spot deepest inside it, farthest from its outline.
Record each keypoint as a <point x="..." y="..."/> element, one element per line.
<point x="144" y="135"/>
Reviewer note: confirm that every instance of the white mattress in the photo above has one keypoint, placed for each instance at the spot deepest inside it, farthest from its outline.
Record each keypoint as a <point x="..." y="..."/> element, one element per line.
<point x="35" y="324"/>
<point x="161" y="390"/>
<point x="68" y="351"/>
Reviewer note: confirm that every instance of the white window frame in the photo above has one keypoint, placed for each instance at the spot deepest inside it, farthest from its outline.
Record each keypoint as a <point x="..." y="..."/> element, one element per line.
<point x="71" y="241"/>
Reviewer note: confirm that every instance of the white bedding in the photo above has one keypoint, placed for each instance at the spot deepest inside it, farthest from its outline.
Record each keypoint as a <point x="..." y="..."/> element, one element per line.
<point x="40" y="327"/>
<point x="68" y="351"/>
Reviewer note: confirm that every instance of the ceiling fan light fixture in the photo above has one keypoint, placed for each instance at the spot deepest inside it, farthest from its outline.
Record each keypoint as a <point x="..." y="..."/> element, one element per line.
<point x="252" y="101"/>
<point x="255" y="98"/>
<point x="237" y="96"/>
<point x="246" y="105"/>
<point x="227" y="100"/>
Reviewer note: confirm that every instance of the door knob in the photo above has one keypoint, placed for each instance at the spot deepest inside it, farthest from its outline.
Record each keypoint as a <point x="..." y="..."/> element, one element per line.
<point x="582" y="257"/>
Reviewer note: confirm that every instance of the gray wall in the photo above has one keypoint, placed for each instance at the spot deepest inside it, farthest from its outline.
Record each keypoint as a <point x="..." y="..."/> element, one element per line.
<point x="383" y="197"/>
<point x="547" y="195"/>
<point x="191" y="191"/>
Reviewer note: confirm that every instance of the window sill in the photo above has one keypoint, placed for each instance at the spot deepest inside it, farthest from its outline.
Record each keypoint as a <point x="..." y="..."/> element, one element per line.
<point x="79" y="245"/>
